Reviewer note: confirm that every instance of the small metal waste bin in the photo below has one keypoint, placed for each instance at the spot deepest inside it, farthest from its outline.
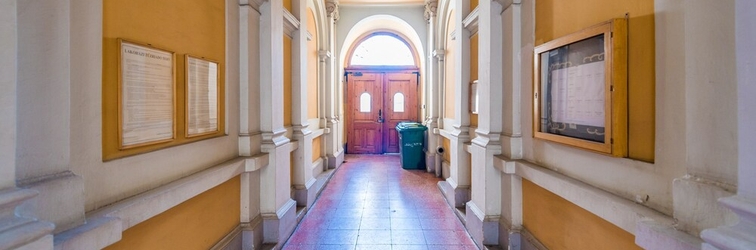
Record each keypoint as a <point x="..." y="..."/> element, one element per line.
<point x="411" y="142"/>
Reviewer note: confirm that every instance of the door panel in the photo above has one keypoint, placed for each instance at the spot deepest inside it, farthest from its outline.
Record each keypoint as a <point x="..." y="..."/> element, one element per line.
<point x="391" y="97"/>
<point x="365" y="97"/>
<point x="401" y="105"/>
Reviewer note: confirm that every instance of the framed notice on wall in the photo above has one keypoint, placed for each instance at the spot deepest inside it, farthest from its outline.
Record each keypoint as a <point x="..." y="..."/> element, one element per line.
<point x="146" y="100"/>
<point x="202" y="102"/>
<point x="580" y="89"/>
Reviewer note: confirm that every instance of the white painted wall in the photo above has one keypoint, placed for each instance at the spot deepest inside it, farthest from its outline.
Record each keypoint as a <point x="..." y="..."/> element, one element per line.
<point x="8" y="52"/>
<point x="107" y="182"/>
<point x="746" y="71"/>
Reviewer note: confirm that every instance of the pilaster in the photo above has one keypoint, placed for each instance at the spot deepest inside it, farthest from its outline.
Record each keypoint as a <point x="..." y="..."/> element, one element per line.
<point x="430" y="119"/>
<point x="462" y="67"/>
<point x="250" y="136"/>
<point x="743" y="205"/>
<point x="484" y="209"/>
<point x="276" y="206"/>
<point x="8" y="69"/>
<point x="334" y="126"/>
<point x="16" y="231"/>
<point x="302" y="175"/>
<point x="709" y="175"/>
<point x="456" y="188"/>
<point x="515" y="64"/>
<point x="43" y="110"/>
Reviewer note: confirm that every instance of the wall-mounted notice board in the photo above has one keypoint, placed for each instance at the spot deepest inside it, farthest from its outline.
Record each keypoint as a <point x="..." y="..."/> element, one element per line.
<point x="146" y="99"/>
<point x="580" y="89"/>
<point x="202" y="102"/>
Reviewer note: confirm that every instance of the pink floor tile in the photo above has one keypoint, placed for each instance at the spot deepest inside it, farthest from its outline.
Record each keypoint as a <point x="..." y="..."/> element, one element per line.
<point x="372" y="203"/>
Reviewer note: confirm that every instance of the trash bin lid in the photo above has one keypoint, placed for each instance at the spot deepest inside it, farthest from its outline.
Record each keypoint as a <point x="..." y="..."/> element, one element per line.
<point x="410" y="126"/>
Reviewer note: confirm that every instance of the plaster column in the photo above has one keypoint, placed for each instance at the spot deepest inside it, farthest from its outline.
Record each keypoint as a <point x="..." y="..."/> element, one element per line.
<point x="435" y="119"/>
<point x="517" y="46"/>
<point x="302" y="176"/>
<point x="15" y="231"/>
<point x="711" y="93"/>
<point x="250" y="137"/>
<point x="334" y="147"/>
<point x="431" y="90"/>
<point x="50" y="39"/>
<point x="456" y="188"/>
<point x="276" y="206"/>
<point x="484" y="209"/>
<point x="741" y="235"/>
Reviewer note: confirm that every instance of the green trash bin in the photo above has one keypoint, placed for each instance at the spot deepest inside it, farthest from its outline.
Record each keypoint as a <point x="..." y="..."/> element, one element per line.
<point x="411" y="135"/>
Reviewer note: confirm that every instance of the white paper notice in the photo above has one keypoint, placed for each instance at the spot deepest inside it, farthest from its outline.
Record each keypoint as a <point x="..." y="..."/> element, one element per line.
<point x="146" y="95"/>
<point x="577" y="95"/>
<point x="202" y="93"/>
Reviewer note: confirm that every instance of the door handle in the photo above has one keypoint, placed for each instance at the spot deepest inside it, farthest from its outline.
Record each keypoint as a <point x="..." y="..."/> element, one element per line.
<point x="380" y="116"/>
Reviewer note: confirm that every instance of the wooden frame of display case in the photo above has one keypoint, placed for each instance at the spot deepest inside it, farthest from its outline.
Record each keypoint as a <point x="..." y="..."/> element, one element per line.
<point x="580" y="89"/>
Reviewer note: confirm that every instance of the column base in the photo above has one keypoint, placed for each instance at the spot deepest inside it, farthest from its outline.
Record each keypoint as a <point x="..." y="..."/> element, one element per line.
<point x="279" y="226"/>
<point x="655" y="235"/>
<point x="483" y="229"/>
<point x="307" y="195"/>
<point x="60" y="200"/>
<point x="515" y="237"/>
<point x="455" y="197"/>
<point x="738" y="236"/>
<point x="433" y="163"/>
<point x="20" y="232"/>
<point x="251" y="234"/>
<point x="696" y="207"/>
<point x="335" y="160"/>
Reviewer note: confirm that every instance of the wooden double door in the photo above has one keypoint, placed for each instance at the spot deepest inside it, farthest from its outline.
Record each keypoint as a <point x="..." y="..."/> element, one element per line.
<point x="376" y="103"/>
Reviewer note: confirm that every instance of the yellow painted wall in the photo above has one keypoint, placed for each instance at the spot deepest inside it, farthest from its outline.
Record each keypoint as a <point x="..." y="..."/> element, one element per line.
<point x="447" y="149"/>
<point x="474" y="71"/>
<point x="559" y="224"/>
<point x="473" y="4"/>
<point x="198" y="223"/>
<point x="449" y="87"/>
<point x="287" y="80"/>
<point x="316" y="148"/>
<point x="197" y="29"/>
<point x="312" y="67"/>
<point x="556" y="18"/>
<point x="287" y="4"/>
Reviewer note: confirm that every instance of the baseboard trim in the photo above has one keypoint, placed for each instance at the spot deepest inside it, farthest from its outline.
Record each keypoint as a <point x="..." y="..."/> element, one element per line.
<point x="232" y="240"/>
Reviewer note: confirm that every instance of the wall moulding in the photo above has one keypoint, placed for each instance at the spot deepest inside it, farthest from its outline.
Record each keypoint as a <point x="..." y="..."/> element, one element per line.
<point x="255" y="4"/>
<point x="619" y="211"/>
<point x="471" y="21"/>
<point x="291" y="23"/>
<point x="109" y="222"/>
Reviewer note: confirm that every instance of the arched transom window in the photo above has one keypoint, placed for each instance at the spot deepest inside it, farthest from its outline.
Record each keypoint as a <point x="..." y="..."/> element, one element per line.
<point x="382" y="50"/>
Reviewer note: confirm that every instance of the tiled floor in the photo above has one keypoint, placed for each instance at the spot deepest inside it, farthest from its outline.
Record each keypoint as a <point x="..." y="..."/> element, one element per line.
<point x="372" y="203"/>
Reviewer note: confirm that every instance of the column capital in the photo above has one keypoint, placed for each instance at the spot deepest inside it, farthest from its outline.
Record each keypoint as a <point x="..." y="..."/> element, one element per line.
<point x="430" y="9"/>
<point x="332" y="8"/>
<point x="255" y="4"/>
<point x="323" y="55"/>
<point x="439" y="54"/>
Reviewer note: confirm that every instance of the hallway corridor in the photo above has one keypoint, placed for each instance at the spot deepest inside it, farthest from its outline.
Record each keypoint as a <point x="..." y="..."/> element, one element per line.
<point x="372" y="203"/>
